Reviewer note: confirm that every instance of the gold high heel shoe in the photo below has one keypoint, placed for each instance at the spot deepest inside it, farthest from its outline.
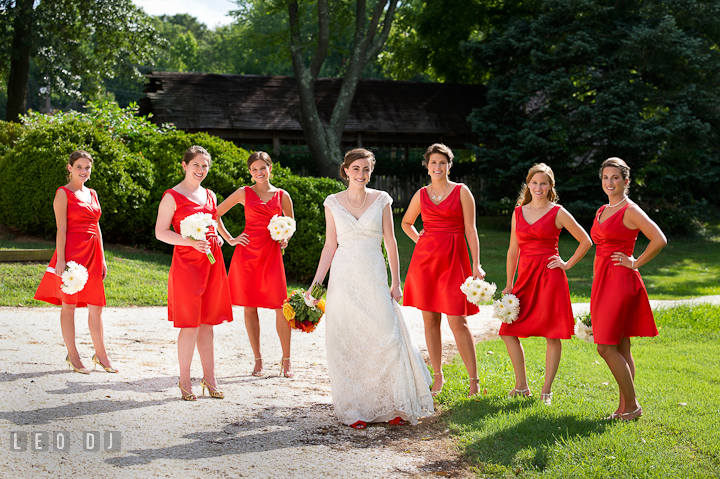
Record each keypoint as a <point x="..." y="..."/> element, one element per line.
<point x="259" y="373"/>
<point x="106" y="368"/>
<point x="288" y="374"/>
<point x="81" y="371"/>
<point x="188" y="396"/>
<point x="213" y="394"/>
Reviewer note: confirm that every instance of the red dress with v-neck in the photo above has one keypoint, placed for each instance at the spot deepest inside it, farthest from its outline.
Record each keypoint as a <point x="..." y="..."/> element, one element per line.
<point x="440" y="261"/>
<point x="198" y="292"/>
<point x="257" y="272"/>
<point x="619" y="304"/>
<point x="544" y="295"/>
<point x="82" y="245"/>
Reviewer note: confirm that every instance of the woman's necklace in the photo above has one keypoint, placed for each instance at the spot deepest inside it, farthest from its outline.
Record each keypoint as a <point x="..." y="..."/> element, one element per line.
<point x="538" y="212"/>
<point x="347" y="198"/>
<point x="435" y="197"/>
<point x="613" y="206"/>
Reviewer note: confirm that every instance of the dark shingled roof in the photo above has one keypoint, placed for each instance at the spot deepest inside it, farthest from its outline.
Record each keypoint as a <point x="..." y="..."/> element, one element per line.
<point x="252" y="108"/>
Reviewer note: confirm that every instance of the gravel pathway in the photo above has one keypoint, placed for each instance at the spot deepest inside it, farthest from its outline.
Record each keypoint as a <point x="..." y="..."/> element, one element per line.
<point x="269" y="427"/>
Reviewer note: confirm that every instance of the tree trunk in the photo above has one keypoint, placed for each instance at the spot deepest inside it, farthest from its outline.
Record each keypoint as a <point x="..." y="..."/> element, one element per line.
<point x="19" y="60"/>
<point x="325" y="143"/>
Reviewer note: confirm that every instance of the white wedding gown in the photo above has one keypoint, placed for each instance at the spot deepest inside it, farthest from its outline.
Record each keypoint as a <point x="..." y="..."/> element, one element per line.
<point x="376" y="370"/>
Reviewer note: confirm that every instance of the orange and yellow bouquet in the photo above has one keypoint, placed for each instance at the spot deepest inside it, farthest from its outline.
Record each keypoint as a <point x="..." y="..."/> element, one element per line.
<point x="302" y="313"/>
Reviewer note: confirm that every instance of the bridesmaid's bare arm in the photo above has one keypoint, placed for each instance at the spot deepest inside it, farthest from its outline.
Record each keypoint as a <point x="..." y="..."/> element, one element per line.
<point x="469" y="218"/>
<point x="635" y="218"/>
<point x="392" y="252"/>
<point x="565" y="220"/>
<point x="60" y="207"/>
<point x="287" y="209"/>
<point x="411" y="214"/>
<point x="512" y="258"/>
<point x="163" y="224"/>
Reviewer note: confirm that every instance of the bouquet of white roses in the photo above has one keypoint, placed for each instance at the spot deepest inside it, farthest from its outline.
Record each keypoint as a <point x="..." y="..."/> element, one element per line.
<point x="507" y="308"/>
<point x="195" y="226"/>
<point x="477" y="290"/>
<point x="583" y="328"/>
<point x="73" y="278"/>
<point x="281" y="228"/>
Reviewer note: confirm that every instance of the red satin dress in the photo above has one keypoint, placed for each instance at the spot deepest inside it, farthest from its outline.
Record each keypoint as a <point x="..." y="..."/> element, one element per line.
<point x="198" y="292"/>
<point x="440" y="262"/>
<point x="257" y="272"/>
<point x="82" y="245"/>
<point x="619" y="304"/>
<point x="544" y="295"/>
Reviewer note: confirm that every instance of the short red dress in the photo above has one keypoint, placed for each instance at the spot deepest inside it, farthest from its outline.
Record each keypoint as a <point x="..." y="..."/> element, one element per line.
<point x="83" y="246"/>
<point x="198" y="292"/>
<point x="619" y="304"/>
<point x="545" y="308"/>
<point x="257" y="272"/>
<point x="440" y="262"/>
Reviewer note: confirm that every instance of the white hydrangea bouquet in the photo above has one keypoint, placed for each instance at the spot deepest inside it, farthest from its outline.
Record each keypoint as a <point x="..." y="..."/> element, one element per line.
<point x="196" y="226"/>
<point x="507" y="308"/>
<point x="477" y="290"/>
<point x="583" y="328"/>
<point x="74" y="278"/>
<point x="281" y="228"/>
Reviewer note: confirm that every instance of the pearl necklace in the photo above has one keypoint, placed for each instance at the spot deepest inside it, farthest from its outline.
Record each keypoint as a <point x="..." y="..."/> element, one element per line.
<point x="613" y="206"/>
<point x="435" y="197"/>
<point x="351" y="206"/>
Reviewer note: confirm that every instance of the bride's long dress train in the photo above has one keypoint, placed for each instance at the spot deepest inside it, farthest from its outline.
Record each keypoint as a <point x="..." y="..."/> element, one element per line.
<point x="376" y="370"/>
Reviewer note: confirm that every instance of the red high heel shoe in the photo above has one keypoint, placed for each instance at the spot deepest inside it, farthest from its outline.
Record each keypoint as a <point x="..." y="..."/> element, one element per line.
<point x="359" y="425"/>
<point x="398" y="421"/>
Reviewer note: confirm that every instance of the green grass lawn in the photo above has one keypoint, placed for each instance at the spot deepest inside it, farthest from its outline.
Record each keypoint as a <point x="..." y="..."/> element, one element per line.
<point x="678" y="385"/>
<point x="685" y="268"/>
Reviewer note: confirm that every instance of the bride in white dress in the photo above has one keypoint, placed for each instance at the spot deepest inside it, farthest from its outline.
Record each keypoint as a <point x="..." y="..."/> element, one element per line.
<point x="376" y="371"/>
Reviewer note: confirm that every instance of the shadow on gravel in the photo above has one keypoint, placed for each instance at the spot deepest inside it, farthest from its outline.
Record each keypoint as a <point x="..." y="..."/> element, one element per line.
<point x="7" y="377"/>
<point x="145" y="385"/>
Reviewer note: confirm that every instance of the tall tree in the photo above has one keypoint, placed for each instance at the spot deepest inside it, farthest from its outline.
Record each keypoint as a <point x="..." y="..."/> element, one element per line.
<point x="75" y="43"/>
<point x="370" y="34"/>
<point x="575" y="82"/>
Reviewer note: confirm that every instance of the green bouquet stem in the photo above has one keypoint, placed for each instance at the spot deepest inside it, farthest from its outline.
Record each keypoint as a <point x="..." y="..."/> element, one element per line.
<point x="211" y="258"/>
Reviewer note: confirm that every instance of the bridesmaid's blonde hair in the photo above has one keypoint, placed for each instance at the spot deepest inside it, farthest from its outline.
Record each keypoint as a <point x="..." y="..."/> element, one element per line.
<point x="525" y="196"/>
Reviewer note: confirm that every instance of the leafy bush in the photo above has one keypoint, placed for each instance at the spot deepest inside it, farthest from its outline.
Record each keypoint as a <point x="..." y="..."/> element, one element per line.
<point x="122" y="180"/>
<point x="9" y="134"/>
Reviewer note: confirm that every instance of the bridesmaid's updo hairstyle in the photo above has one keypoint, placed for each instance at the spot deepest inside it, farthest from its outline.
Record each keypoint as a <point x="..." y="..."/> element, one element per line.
<point x="194" y="151"/>
<point x="441" y="149"/>
<point x="525" y="196"/>
<point x="354" y="155"/>
<point x="620" y="165"/>
<point x="76" y="155"/>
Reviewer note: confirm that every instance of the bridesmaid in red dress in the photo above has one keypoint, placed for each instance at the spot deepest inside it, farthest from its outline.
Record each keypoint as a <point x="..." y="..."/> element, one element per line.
<point x="77" y="212"/>
<point x="198" y="292"/>
<point x="541" y="286"/>
<point x="257" y="272"/>
<point x="440" y="262"/>
<point x="619" y="304"/>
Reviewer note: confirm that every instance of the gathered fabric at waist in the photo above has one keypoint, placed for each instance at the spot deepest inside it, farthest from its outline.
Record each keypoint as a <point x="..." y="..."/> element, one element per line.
<point x="444" y="228"/>
<point x="88" y="228"/>
<point x="538" y="248"/>
<point x="606" y="249"/>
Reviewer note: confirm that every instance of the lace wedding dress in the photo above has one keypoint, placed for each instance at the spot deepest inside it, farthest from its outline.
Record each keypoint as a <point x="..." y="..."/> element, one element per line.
<point x="376" y="370"/>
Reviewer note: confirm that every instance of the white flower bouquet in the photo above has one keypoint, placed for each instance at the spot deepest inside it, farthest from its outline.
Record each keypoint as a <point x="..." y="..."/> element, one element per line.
<point x="583" y="328"/>
<point x="73" y="278"/>
<point x="507" y="308"/>
<point x="196" y="226"/>
<point x="281" y="228"/>
<point x="477" y="290"/>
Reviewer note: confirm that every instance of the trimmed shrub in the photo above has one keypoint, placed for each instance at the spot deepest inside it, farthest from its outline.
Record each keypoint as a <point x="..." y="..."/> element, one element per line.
<point x="123" y="180"/>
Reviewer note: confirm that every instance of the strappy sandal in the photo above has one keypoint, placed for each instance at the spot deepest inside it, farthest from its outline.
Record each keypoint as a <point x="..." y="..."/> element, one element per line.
<point x="632" y="416"/>
<point x="260" y="372"/>
<point x="213" y="394"/>
<point x="478" y="381"/>
<point x="188" y="396"/>
<point x="546" y="398"/>
<point x="288" y="374"/>
<point x="435" y="393"/>
<point x="519" y="392"/>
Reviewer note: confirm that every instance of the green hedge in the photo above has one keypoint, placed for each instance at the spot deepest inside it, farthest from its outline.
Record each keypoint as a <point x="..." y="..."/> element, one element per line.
<point x="133" y="166"/>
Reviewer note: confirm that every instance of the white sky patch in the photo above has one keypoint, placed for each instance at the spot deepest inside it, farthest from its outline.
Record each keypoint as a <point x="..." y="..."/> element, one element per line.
<point x="210" y="12"/>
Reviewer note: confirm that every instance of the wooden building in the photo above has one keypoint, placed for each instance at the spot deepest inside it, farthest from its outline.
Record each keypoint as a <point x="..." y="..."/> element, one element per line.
<point x="264" y="110"/>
